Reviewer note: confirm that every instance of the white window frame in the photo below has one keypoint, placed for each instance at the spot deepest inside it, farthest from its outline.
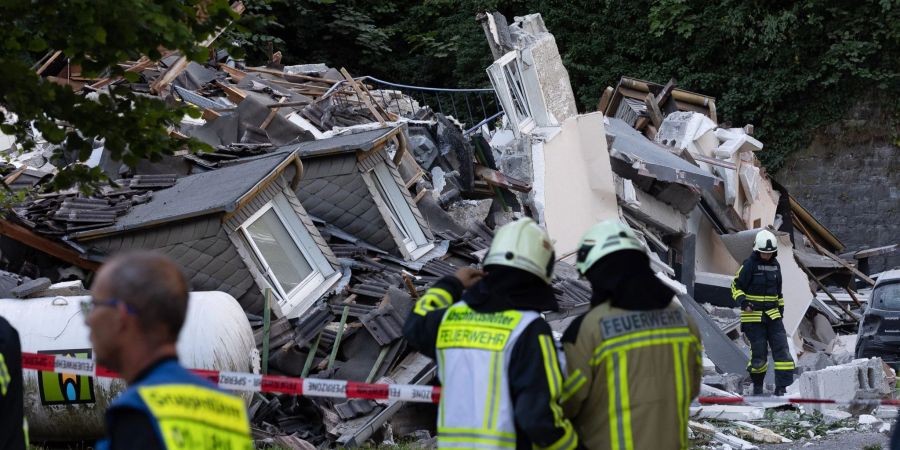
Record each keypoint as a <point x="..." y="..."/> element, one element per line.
<point x="506" y="76"/>
<point x="313" y="286"/>
<point x="414" y="240"/>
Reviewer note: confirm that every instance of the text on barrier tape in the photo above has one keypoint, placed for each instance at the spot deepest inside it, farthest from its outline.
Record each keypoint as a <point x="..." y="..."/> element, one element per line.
<point x="248" y="382"/>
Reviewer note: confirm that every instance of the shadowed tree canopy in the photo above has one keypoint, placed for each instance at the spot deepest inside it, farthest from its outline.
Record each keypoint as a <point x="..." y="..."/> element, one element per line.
<point x="788" y="67"/>
<point x="97" y="35"/>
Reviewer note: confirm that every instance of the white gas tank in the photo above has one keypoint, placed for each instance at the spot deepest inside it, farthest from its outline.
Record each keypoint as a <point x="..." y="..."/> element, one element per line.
<point x="216" y="336"/>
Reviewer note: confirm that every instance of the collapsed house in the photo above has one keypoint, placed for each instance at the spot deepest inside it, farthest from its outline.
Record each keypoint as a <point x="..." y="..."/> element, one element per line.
<point x="341" y="203"/>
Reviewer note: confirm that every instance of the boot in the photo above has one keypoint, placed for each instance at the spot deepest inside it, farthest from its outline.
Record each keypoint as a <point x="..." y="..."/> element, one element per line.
<point x="757" y="389"/>
<point x="780" y="391"/>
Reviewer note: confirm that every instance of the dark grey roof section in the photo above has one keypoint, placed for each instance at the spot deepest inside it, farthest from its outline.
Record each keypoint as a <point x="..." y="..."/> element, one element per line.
<point x="630" y="146"/>
<point x="312" y="323"/>
<point x="345" y="202"/>
<point x="365" y="141"/>
<point x="385" y="324"/>
<point x="198" y="195"/>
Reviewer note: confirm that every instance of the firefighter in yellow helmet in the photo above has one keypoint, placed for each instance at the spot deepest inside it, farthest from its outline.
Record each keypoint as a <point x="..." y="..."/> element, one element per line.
<point x="635" y="359"/>
<point x="756" y="289"/>
<point x="496" y="357"/>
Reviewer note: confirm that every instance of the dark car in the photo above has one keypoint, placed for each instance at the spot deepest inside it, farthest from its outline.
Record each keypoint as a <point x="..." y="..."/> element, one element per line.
<point x="879" y="331"/>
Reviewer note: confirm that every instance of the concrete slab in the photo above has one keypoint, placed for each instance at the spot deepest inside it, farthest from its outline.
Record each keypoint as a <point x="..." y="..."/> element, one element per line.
<point x="861" y="378"/>
<point x="573" y="181"/>
<point x="727" y="412"/>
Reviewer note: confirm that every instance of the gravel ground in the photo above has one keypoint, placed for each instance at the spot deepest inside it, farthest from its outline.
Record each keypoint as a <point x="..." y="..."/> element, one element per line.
<point x="851" y="440"/>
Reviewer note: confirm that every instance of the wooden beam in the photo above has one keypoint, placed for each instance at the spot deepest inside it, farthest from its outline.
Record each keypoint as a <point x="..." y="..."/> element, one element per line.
<point x="164" y="80"/>
<point x="653" y="110"/>
<point x="362" y="96"/>
<point x="824" y="289"/>
<point x="30" y="238"/>
<point x="237" y="74"/>
<point x="272" y="113"/>
<point x="234" y="94"/>
<point x="141" y="64"/>
<point x="824" y="251"/>
<point x="49" y="61"/>
<point x="853" y="296"/>
<point x="605" y="99"/>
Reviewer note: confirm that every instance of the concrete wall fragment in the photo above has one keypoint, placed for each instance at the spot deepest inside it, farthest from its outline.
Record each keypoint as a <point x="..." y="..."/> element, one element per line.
<point x="573" y="181"/>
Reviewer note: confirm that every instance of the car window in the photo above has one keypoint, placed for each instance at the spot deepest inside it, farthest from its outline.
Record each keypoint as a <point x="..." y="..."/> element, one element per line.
<point x="887" y="296"/>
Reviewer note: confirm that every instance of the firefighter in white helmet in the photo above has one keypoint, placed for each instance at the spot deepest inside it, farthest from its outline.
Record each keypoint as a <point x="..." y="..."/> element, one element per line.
<point x="497" y="361"/>
<point x="756" y="289"/>
<point x="635" y="359"/>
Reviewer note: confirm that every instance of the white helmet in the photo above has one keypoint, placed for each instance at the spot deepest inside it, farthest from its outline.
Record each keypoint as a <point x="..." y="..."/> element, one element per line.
<point x="524" y="245"/>
<point x="766" y="242"/>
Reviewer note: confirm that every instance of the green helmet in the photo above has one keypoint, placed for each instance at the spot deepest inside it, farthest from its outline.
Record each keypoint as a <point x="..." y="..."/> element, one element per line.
<point x="602" y="239"/>
<point x="524" y="245"/>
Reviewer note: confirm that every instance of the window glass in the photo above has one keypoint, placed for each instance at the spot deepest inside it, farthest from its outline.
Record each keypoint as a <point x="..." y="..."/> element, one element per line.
<point x="279" y="250"/>
<point x="887" y="296"/>
<point x="401" y="214"/>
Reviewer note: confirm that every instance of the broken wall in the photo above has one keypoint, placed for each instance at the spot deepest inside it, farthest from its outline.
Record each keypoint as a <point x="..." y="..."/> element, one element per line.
<point x="553" y="77"/>
<point x="573" y="181"/>
<point x="711" y="253"/>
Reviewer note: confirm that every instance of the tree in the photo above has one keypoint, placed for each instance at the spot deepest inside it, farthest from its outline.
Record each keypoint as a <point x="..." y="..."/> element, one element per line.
<point x="97" y="35"/>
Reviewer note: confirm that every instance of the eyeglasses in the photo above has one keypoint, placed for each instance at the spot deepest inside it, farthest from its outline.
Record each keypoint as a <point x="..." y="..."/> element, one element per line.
<point x="88" y="305"/>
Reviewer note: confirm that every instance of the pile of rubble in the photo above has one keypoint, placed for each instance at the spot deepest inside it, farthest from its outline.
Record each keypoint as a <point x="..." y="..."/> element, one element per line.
<point x="328" y="206"/>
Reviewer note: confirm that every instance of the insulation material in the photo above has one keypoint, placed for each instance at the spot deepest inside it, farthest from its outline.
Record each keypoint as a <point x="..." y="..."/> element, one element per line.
<point x="573" y="181"/>
<point x="795" y="283"/>
<point x="689" y="131"/>
<point x="731" y="184"/>
<point x="761" y="213"/>
<point x="750" y="181"/>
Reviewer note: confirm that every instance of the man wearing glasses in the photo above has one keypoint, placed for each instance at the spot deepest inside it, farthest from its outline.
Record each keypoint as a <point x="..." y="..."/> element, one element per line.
<point x="139" y="301"/>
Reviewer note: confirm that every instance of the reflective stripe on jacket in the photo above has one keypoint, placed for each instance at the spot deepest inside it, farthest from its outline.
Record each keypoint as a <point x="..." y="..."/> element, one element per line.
<point x="632" y="376"/>
<point x="186" y="411"/>
<point x="759" y="282"/>
<point x="499" y="371"/>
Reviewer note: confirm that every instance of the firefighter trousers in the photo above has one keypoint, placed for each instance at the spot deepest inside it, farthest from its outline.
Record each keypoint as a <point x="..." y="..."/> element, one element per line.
<point x="762" y="335"/>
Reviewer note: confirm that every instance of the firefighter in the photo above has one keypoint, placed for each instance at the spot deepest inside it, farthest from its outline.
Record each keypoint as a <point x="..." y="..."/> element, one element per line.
<point x="496" y="357"/>
<point x="634" y="359"/>
<point x="13" y="427"/>
<point x="756" y="289"/>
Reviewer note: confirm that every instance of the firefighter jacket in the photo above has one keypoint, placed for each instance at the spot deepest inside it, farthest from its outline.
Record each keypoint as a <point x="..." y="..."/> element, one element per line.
<point x="499" y="373"/>
<point x="757" y="284"/>
<point x="632" y="376"/>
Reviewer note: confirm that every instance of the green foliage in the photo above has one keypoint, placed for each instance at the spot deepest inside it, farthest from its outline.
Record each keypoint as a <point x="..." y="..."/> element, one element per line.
<point x="97" y="35"/>
<point x="787" y="67"/>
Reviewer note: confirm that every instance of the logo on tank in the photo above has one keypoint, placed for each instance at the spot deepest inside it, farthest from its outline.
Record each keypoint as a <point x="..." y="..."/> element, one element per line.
<point x="66" y="388"/>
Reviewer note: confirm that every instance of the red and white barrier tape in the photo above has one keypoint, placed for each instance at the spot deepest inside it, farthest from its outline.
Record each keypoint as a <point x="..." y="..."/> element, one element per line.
<point x="248" y="382"/>
<point x="314" y="387"/>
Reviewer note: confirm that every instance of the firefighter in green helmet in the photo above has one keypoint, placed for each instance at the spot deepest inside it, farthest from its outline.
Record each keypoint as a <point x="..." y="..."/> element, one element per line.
<point x="635" y="359"/>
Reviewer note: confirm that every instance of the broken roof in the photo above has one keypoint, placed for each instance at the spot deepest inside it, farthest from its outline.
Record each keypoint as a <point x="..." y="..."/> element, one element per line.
<point x="197" y="195"/>
<point x="650" y="159"/>
<point x="364" y="141"/>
